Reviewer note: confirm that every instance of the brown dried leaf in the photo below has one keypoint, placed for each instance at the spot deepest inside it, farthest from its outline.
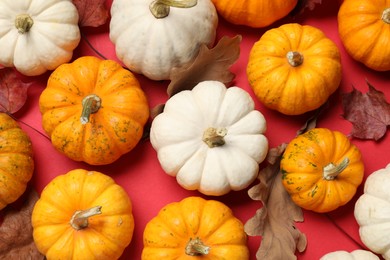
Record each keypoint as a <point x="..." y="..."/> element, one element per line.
<point x="210" y="64"/>
<point x="302" y="5"/>
<point x="92" y="13"/>
<point x="13" y="91"/>
<point x="274" y="221"/>
<point x="369" y="113"/>
<point x="16" y="231"/>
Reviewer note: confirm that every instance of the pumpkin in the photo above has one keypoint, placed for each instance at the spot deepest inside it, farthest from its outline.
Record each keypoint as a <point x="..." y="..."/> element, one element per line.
<point x="294" y="68"/>
<point x="16" y="160"/>
<point x="354" y="255"/>
<point x="210" y="138"/>
<point x="364" y="29"/>
<point x="372" y="212"/>
<point x="321" y="169"/>
<point x="254" y="13"/>
<point x="170" y="40"/>
<point x="82" y="215"/>
<point x="195" y="228"/>
<point x="37" y="35"/>
<point x="93" y="110"/>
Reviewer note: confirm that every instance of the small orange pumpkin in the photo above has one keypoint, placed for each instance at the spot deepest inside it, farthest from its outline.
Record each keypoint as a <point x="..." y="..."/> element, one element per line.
<point x="321" y="169"/>
<point x="82" y="215"/>
<point x="254" y="13"/>
<point x="294" y="68"/>
<point x="16" y="160"/>
<point x="94" y="110"/>
<point x="364" y="29"/>
<point x="195" y="228"/>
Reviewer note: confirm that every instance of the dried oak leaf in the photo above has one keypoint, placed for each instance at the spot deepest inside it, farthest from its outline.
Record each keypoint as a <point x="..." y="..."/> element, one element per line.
<point x="13" y="91"/>
<point x="369" y="113"/>
<point x="302" y="5"/>
<point x="92" y="13"/>
<point x="209" y="64"/>
<point x="16" y="231"/>
<point x="274" y="221"/>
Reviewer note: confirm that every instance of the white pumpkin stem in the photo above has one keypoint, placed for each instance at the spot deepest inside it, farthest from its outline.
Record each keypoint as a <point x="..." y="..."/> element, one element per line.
<point x="331" y="171"/>
<point x="294" y="58"/>
<point x="195" y="247"/>
<point x="91" y="104"/>
<point x="79" y="219"/>
<point x="160" y="8"/>
<point x="214" y="137"/>
<point x="386" y="16"/>
<point x="23" y="22"/>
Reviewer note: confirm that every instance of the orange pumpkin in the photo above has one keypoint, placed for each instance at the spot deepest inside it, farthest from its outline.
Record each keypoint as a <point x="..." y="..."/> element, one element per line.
<point x="321" y="169"/>
<point x="94" y="110"/>
<point x="16" y="160"/>
<point x="364" y="29"/>
<point x="254" y="13"/>
<point x="294" y="68"/>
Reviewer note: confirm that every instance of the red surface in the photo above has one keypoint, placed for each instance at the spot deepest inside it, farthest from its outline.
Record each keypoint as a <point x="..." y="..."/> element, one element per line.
<point x="150" y="188"/>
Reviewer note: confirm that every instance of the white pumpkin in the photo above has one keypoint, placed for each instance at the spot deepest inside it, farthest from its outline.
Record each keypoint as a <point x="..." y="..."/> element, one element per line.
<point x="153" y="46"/>
<point x="37" y="35"/>
<point x="372" y="212"/>
<point x="210" y="138"/>
<point x="354" y="255"/>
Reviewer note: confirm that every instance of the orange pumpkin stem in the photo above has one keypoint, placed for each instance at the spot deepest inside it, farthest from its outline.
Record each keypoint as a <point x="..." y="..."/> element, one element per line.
<point x="23" y="22"/>
<point x="91" y="104"/>
<point x="160" y="8"/>
<point x="294" y="58"/>
<point x="331" y="171"/>
<point x="195" y="247"/>
<point x="79" y="219"/>
<point x="386" y="16"/>
<point x="214" y="137"/>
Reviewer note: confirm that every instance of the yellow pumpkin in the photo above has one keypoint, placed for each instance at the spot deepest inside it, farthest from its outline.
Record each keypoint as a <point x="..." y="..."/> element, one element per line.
<point x="294" y="68"/>
<point x="321" y="169"/>
<point x="93" y="110"/>
<point x="364" y="29"/>
<point x="16" y="160"/>
<point x="82" y="215"/>
<point x="195" y="228"/>
<point x="254" y="13"/>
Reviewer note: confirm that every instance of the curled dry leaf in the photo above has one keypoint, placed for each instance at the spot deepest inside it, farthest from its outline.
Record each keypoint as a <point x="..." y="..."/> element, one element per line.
<point x="92" y="13"/>
<point x="274" y="221"/>
<point x="16" y="231"/>
<point x="369" y="113"/>
<point x="302" y="5"/>
<point x="209" y="64"/>
<point x="13" y="91"/>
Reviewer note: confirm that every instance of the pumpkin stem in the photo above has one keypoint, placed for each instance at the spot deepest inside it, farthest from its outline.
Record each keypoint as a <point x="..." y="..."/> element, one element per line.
<point x="214" y="137"/>
<point x="331" y="170"/>
<point x="23" y="22"/>
<point x="160" y="8"/>
<point x="79" y="219"/>
<point x="195" y="247"/>
<point x="91" y="104"/>
<point x="386" y="15"/>
<point x="294" y="58"/>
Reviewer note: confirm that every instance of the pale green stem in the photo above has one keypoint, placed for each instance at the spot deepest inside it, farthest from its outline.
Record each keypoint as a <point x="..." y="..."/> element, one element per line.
<point x="160" y="8"/>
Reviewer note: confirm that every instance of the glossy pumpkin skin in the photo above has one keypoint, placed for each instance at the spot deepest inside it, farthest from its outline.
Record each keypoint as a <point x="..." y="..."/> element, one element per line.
<point x="167" y="235"/>
<point x="105" y="236"/>
<point x="294" y="68"/>
<point x="364" y="29"/>
<point x="254" y="13"/>
<point x="113" y="129"/>
<point x="321" y="169"/>
<point x="16" y="160"/>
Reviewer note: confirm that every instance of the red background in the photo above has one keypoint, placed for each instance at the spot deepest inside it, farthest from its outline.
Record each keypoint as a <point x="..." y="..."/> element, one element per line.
<point x="150" y="188"/>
